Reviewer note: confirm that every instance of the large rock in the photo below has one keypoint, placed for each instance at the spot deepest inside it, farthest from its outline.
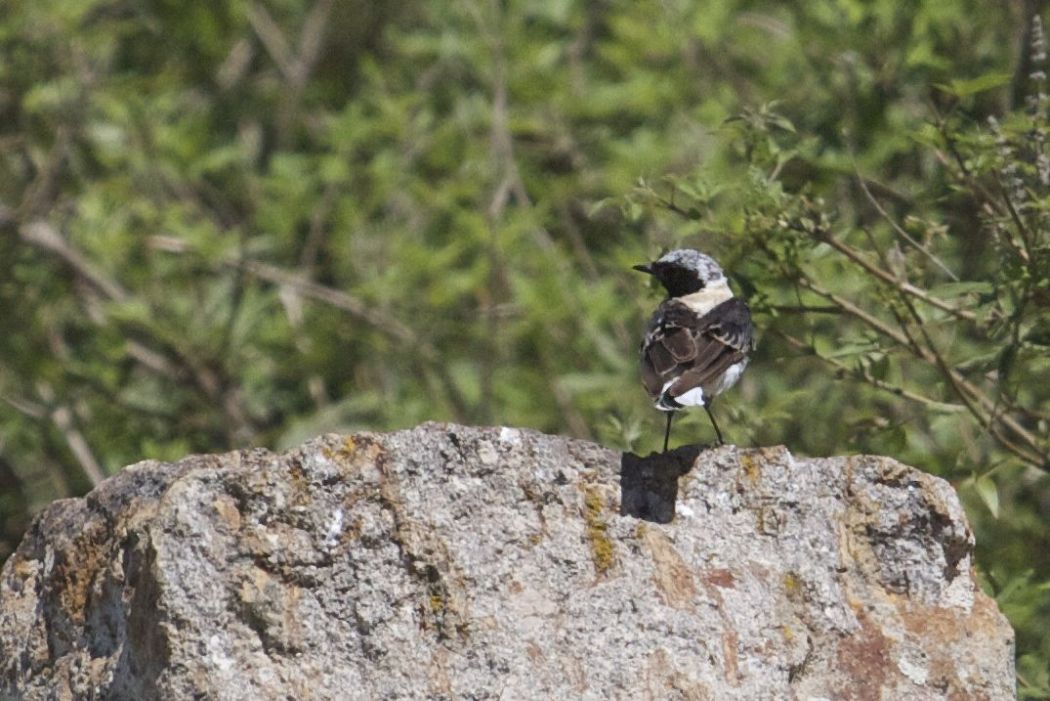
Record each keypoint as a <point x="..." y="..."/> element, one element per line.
<point x="448" y="562"/>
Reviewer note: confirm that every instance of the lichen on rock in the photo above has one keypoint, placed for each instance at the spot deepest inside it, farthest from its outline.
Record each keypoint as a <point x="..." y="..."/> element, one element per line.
<point x="454" y="562"/>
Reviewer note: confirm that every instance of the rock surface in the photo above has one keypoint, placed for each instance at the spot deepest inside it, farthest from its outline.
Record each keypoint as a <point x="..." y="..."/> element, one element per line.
<point x="447" y="562"/>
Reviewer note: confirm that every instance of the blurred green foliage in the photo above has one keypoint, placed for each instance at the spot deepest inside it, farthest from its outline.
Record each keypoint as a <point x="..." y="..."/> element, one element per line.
<point x="242" y="222"/>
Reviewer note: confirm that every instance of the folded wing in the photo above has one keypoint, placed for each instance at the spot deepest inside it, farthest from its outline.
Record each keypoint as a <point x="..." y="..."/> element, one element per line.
<point x="683" y="351"/>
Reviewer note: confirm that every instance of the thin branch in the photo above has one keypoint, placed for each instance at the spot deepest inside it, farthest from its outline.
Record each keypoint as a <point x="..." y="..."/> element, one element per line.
<point x="898" y="228"/>
<point x="888" y="277"/>
<point x="25" y="407"/>
<point x="805" y="309"/>
<point x="273" y="40"/>
<point x="382" y="322"/>
<point x="62" y="417"/>
<point x="311" y="39"/>
<point x="953" y="149"/>
<point x="344" y="301"/>
<point x="39" y="196"/>
<point x="44" y="235"/>
<point x="965" y="391"/>
<point x="856" y="312"/>
<point x="989" y="201"/>
<point x="1022" y="229"/>
<point x="235" y="65"/>
<point x="865" y="373"/>
<point x="964" y="388"/>
<point x="338" y="299"/>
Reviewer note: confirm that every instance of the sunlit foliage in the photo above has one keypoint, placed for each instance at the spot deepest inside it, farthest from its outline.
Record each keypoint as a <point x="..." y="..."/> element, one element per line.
<point x="244" y="223"/>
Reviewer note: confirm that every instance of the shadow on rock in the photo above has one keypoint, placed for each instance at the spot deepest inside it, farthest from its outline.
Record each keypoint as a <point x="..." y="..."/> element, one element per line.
<point x="649" y="485"/>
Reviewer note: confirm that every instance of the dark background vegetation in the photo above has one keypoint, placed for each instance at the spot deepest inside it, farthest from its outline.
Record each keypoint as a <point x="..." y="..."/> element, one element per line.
<point x="246" y="222"/>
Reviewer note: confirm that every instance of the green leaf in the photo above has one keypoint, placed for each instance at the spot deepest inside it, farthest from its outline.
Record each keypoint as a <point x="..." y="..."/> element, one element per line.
<point x="948" y="290"/>
<point x="850" y="349"/>
<point x="596" y="207"/>
<point x="966" y="88"/>
<point x="989" y="493"/>
<point x="1039" y="334"/>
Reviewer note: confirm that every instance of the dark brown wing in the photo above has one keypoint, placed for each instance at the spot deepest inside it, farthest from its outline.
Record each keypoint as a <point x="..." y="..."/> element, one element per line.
<point x="682" y="350"/>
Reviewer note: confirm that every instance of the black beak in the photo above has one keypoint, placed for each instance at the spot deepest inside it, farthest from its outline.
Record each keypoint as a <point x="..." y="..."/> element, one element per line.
<point x="643" y="268"/>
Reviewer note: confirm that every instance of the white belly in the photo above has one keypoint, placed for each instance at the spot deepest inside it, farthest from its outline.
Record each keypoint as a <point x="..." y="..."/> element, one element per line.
<point x="700" y="396"/>
<point x="728" y="379"/>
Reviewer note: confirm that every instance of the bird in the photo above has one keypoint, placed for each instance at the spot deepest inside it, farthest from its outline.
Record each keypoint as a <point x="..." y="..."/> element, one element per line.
<point x="697" y="342"/>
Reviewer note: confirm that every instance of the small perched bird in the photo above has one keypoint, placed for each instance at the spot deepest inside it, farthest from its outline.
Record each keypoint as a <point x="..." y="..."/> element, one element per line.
<point x="698" y="339"/>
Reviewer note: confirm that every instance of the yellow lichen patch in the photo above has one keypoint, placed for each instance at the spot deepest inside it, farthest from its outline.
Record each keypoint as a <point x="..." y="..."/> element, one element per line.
<point x="603" y="552"/>
<point x="343" y="452"/>
<point x="299" y="481"/>
<point x="437" y="604"/>
<point x="354" y="452"/>
<point x="792" y="585"/>
<point x="24" y="568"/>
<point x="444" y="611"/>
<point x="349" y="445"/>
<point x="751" y="467"/>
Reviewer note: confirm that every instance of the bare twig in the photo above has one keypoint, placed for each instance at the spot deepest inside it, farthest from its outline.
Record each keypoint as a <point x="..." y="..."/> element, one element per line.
<point x="865" y="373"/>
<point x="157" y="362"/>
<point x="296" y="68"/>
<point x="235" y="65"/>
<point x="338" y="299"/>
<point x="1025" y="253"/>
<point x="38" y="197"/>
<point x="25" y="407"/>
<point x="805" y="309"/>
<point x="273" y="40"/>
<point x="44" y="235"/>
<point x="380" y="321"/>
<point x="973" y="398"/>
<point x="898" y="228"/>
<point x="855" y="256"/>
<point x="62" y="417"/>
<point x="960" y="162"/>
<point x="965" y="389"/>
<point x="856" y="312"/>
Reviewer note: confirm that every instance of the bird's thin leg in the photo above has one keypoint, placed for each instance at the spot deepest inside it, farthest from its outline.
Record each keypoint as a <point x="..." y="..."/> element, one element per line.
<point x="667" y="433"/>
<point x="712" y="417"/>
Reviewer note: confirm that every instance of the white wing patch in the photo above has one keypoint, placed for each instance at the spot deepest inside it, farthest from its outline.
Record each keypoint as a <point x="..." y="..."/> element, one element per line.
<point x="694" y="397"/>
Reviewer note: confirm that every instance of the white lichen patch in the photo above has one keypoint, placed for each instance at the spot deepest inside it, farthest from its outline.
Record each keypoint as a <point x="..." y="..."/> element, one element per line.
<point x="509" y="436"/>
<point x="913" y="668"/>
<point x="218" y="656"/>
<point x="487" y="454"/>
<point x="335" y="529"/>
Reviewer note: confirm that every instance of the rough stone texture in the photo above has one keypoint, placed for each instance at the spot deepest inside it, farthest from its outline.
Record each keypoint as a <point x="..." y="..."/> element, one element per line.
<point x="448" y="562"/>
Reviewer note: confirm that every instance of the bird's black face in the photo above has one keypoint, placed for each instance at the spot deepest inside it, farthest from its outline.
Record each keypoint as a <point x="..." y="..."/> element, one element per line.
<point x="676" y="279"/>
